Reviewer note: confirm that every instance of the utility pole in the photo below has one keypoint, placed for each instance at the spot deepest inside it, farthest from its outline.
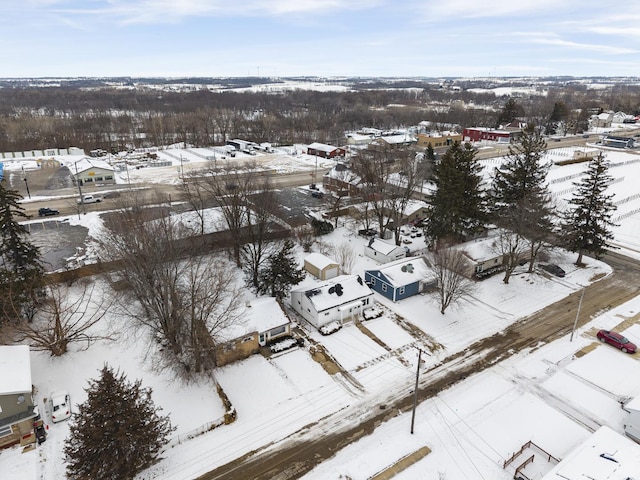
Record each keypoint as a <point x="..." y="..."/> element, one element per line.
<point x="84" y="210"/>
<point x="575" y="323"/>
<point x="415" y="391"/>
<point x="26" y="184"/>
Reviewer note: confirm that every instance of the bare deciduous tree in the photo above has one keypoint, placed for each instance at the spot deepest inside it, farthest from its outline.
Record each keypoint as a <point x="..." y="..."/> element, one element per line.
<point x="67" y="316"/>
<point x="450" y="266"/>
<point x="345" y="255"/>
<point x="181" y="298"/>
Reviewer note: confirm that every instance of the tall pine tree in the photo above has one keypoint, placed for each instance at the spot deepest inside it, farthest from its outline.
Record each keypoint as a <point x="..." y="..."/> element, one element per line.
<point x="281" y="272"/>
<point x="117" y="432"/>
<point x="21" y="271"/>
<point x="457" y="207"/>
<point x="520" y="199"/>
<point x="587" y="224"/>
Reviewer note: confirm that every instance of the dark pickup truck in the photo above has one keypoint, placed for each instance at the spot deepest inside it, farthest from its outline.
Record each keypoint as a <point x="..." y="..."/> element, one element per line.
<point x="47" y="212"/>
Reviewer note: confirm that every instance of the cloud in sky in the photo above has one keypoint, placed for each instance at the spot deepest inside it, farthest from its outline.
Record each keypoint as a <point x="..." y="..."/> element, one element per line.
<point x="317" y="37"/>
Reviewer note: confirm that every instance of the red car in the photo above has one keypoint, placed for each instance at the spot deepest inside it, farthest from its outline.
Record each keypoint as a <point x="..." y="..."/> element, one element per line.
<point x="617" y="340"/>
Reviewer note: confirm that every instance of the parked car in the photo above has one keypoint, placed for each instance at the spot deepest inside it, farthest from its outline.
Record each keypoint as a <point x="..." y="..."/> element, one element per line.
<point x="89" y="199"/>
<point x="317" y="194"/>
<point x="367" y="232"/>
<point x="617" y="340"/>
<point x="111" y="195"/>
<point x="47" y="212"/>
<point x="553" y="269"/>
<point x="60" y="406"/>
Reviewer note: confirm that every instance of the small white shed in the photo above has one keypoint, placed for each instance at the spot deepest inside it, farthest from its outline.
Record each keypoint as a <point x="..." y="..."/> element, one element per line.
<point x="384" y="252"/>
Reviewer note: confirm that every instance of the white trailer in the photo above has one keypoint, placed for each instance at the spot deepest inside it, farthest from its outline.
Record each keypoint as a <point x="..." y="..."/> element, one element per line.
<point x="632" y="422"/>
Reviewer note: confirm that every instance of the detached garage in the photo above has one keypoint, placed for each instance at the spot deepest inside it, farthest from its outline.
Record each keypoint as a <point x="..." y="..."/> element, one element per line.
<point x="321" y="266"/>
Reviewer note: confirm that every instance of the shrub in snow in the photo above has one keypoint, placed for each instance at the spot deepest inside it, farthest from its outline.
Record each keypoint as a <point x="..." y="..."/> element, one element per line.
<point x="284" y="344"/>
<point x="330" y="328"/>
<point x="372" y="312"/>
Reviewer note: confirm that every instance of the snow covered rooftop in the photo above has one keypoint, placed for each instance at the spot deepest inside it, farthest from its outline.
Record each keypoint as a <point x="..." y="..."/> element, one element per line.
<point x="324" y="296"/>
<point x="319" y="260"/>
<point x="87" y="163"/>
<point x="405" y="271"/>
<point x="381" y="246"/>
<point x="605" y="455"/>
<point x="260" y="315"/>
<point x="323" y="147"/>
<point x="15" y="369"/>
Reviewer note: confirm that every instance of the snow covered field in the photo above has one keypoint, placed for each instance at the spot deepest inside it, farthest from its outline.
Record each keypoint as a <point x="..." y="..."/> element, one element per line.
<point x="548" y="395"/>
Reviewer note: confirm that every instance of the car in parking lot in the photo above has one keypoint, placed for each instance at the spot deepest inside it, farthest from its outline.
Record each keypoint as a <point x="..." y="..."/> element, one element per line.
<point x="111" y="195"/>
<point x="59" y="406"/>
<point x="47" y="212"/>
<point x="617" y="340"/>
<point x="316" y="194"/>
<point x="553" y="269"/>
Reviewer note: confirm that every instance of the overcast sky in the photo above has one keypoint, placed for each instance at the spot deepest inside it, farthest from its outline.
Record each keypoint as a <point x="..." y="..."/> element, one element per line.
<point x="45" y="38"/>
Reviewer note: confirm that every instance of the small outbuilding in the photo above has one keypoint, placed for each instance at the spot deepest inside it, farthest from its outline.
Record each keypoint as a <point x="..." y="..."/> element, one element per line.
<point x="321" y="266"/>
<point x="384" y="252"/>
<point x="402" y="278"/>
<point x="325" y="151"/>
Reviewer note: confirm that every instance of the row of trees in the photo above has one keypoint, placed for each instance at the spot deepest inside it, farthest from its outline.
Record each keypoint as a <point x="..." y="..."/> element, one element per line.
<point x="119" y="119"/>
<point x="518" y="202"/>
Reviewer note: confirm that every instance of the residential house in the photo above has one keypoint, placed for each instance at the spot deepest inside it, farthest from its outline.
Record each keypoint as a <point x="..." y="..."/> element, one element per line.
<point x="343" y="181"/>
<point x="91" y="171"/>
<point x="384" y="252"/>
<point x="325" y="151"/>
<point x="262" y="322"/>
<point x="602" y="120"/>
<point x="402" y="278"/>
<point x="321" y="266"/>
<point x="621" y="117"/>
<point x="16" y="403"/>
<point x="482" y="257"/>
<point x="340" y="299"/>
<point x="604" y="455"/>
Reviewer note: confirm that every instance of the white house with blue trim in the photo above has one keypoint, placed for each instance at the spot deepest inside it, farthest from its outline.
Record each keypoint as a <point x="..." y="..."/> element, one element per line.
<point x="339" y="299"/>
<point x="402" y="278"/>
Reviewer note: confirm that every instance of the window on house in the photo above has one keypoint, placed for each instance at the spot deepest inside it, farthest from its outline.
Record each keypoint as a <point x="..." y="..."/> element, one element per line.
<point x="4" y="431"/>
<point x="373" y="281"/>
<point x="277" y="331"/>
<point x="401" y="291"/>
<point x="384" y="287"/>
<point x="88" y="180"/>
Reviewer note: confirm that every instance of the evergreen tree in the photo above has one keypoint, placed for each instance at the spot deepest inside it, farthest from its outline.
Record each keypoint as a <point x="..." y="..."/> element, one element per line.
<point x="557" y="119"/>
<point x="21" y="272"/>
<point x="587" y="225"/>
<point x="457" y="205"/>
<point x="510" y="112"/>
<point x="520" y="199"/>
<point x="280" y="272"/>
<point x="117" y="432"/>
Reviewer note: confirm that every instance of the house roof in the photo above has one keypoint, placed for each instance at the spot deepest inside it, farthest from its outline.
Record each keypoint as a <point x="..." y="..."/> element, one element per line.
<point x="15" y="369"/>
<point x="380" y="246"/>
<point x="479" y="250"/>
<point x="324" y="295"/>
<point x="87" y="163"/>
<point x="395" y="139"/>
<point x="260" y="315"/>
<point x="405" y="271"/>
<point x="323" y="147"/>
<point x="319" y="260"/>
<point x="605" y="455"/>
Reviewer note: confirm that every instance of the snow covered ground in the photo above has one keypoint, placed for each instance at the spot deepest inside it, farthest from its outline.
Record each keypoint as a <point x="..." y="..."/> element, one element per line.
<point x="550" y="395"/>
